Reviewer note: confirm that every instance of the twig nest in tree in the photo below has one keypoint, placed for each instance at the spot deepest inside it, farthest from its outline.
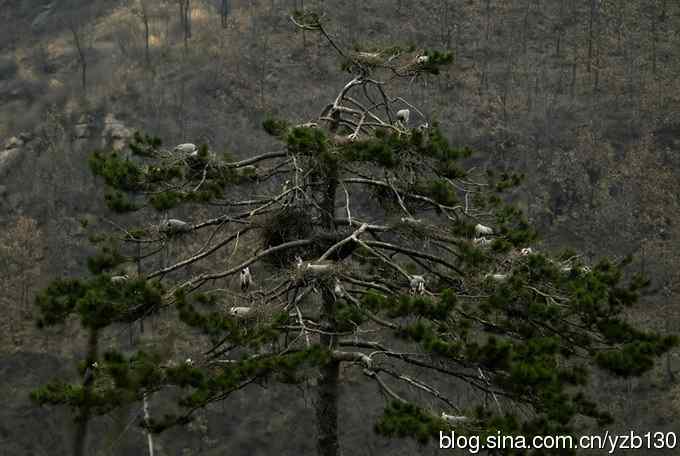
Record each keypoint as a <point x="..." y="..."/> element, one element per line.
<point x="481" y="230"/>
<point x="249" y="172"/>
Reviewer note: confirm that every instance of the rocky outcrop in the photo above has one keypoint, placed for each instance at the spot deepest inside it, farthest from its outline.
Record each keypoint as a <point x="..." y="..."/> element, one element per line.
<point x="83" y="129"/>
<point x="115" y="135"/>
<point x="10" y="154"/>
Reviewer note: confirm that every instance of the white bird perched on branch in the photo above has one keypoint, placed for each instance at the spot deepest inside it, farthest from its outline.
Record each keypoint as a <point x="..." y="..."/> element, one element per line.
<point x="246" y="278"/>
<point x="187" y="149"/>
<point x="526" y="251"/>
<point x="497" y="277"/>
<point x="189" y="362"/>
<point x="482" y="229"/>
<point x="119" y="279"/>
<point x="173" y="226"/>
<point x="453" y="418"/>
<point x="423" y="127"/>
<point x="403" y="115"/>
<point x="240" y="312"/>
<point x="338" y="290"/>
<point x="423" y="59"/>
<point x="417" y="284"/>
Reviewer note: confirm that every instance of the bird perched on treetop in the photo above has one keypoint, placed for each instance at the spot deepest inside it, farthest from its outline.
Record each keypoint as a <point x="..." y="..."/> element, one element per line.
<point x="403" y="116"/>
<point x="417" y="284"/>
<point x="482" y="229"/>
<point x="187" y="148"/>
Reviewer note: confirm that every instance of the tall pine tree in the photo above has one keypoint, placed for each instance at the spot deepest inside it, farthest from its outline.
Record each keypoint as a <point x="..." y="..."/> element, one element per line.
<point x="363" y="241"/>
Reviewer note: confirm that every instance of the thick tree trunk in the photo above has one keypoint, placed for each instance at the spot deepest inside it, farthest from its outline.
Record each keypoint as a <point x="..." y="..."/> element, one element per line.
<point x="327" y="401"/>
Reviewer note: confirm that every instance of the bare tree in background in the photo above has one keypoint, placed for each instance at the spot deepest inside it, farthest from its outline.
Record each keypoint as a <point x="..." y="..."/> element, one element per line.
<point x="143" y="13"/>
<point x="224" y="12"/>
<point x="21" y="247"/>
<point x="185" y="20"/>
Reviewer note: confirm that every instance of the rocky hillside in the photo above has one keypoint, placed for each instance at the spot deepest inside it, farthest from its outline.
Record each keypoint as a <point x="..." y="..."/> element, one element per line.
<point x="582" y="96"/>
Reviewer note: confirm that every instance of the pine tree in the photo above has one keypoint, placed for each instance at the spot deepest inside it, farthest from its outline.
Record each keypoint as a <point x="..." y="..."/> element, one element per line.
<point x="369" y="244"/>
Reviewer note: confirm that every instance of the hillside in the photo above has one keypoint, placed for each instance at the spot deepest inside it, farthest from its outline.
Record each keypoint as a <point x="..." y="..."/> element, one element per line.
<point x="581" y="96"/>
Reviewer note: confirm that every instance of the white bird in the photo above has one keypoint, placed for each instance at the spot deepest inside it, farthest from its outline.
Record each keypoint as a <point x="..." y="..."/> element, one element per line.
<point x="403" y="115"/>
<point x="423" y="127"/>
<point x="497" y="277"/>
<point x="423" y="59"/>
<point x="174" y="226"/>
<point x="453" y="418"/>
<point x="526" y="251"/>
<point x="482" y="229"/>
<point x="481" y="241"/>
<point x="338" y="290"/>
<point x="240" y="312"/>
<point x="187" y="149"/>
<point x="119" y="279"/>
<point x="246" y="278"/>
<point x="189" y="362"/>
<point x="417" y="284"/>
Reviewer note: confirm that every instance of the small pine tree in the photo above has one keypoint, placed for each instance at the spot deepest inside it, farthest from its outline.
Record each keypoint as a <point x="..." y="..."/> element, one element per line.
<point x="371" y="245"/>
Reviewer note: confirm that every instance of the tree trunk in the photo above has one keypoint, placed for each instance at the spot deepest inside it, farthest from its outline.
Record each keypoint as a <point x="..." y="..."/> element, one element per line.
<point x="84" y="417"/>
<point x="327" y="401"/>
<point x="327" y="443"/>
<point x="147" y="419"/>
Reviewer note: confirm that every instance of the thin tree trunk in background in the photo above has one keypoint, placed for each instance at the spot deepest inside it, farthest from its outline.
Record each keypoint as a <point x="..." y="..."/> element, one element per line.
<point x="590" y="34"/>
<point x="84" y="418"/>
<point x="82" y="59"/>
<point x="145" y="19"/>
<point x="224" y="13"/>
<point x="147" y="418"/>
